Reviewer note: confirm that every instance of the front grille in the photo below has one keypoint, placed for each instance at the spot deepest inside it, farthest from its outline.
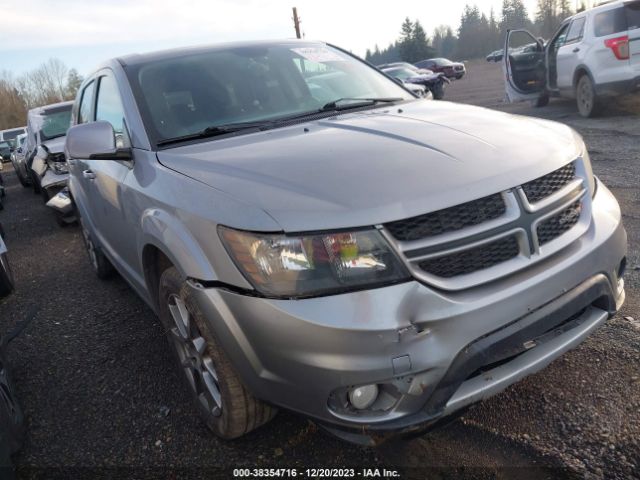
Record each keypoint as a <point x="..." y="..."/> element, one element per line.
<point x="555" y="226"/>
<point x="544" y="186"/>
<point x="469" y="261"/>
<point x="449" y="219"/>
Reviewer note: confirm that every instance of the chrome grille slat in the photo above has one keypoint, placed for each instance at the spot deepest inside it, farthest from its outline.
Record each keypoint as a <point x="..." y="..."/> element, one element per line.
<point x="499" y="234"/>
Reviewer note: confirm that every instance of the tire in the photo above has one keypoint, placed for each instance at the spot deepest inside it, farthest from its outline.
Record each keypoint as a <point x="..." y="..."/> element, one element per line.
<point x="7" y="284"/>
<point x="23" y="181"/>
<point x="35" y="182"/>
<point x="586" y="98"/>
<point x="224" y="404"/>
<point x="11" y="416"/>
<point x="541" y="101"/>
<point x="438" y="91"/>
<point x="101" y="265"/>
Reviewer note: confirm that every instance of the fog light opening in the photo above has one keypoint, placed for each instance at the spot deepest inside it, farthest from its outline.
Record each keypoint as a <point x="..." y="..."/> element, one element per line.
<point x="363" y="397"/>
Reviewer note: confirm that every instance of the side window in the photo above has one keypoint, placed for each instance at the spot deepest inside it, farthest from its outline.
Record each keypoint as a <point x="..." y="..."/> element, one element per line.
<point x="610" y="22"/>
<point x="109" y="107"/>
<point x="575" y="30"/>
<point x="84" y="114"/>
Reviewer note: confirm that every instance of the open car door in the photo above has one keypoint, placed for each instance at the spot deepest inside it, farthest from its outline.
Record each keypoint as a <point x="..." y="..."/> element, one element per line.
<point x="524" y="67"/>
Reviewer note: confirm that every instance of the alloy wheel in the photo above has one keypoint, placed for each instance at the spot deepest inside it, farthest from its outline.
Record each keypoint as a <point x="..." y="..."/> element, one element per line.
<point x="196" y="363"/>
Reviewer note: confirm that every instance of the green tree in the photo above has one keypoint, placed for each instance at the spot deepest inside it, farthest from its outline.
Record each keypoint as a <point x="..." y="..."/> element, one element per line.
<point x="74" y="80"/>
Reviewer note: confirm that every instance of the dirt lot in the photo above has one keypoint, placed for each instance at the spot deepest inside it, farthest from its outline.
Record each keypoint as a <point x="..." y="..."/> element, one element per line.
<point x="95" y="377"/>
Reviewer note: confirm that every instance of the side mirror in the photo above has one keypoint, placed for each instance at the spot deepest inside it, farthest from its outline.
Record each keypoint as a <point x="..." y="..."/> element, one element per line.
<point x="94" y="141"/>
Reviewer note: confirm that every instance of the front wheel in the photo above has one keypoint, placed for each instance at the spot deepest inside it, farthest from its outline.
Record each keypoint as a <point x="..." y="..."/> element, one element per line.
<point x="586" y="97"/>
<point x="541" y="101"/>
<point x="223" y="402"/>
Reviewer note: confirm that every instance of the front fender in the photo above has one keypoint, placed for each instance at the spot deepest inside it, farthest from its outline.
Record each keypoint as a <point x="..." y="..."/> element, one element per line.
<point x="167" y="233"/>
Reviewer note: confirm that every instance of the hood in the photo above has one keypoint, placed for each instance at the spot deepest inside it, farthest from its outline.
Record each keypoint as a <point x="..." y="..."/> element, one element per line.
<point x="379" y="165"/>
<point x="55" y="145"/>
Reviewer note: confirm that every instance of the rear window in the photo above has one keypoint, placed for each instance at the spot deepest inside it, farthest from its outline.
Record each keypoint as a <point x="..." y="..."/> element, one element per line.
<point x="633" y="15"/>
<point x="610" y="22"/>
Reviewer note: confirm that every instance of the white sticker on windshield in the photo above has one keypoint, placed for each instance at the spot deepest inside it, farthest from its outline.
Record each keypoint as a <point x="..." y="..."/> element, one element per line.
<point x="319" y="54"/>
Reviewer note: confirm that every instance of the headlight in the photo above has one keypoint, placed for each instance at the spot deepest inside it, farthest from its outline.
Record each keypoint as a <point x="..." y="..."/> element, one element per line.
<point x="295" y="266"/>
<point x="586" y="161"/>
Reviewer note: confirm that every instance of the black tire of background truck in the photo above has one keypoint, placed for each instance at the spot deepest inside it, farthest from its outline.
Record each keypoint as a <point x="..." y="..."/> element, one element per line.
<point x="438" y="91"/>
<point x="35" y="181"/>
<point x="586" y="99"/>
<point x="541" y="101"/>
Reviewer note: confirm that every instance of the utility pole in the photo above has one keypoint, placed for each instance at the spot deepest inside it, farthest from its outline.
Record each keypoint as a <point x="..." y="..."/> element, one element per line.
<point x="296" y="22"/>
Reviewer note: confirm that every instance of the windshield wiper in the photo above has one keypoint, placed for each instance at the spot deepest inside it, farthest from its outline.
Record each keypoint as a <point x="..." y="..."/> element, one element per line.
<point x="216" y="130"/>
<point x="341" y="103"/>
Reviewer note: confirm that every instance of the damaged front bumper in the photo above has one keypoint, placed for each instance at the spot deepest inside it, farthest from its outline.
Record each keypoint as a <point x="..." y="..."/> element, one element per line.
<point x="430" y="352"/>
<point x="63" y="205"/>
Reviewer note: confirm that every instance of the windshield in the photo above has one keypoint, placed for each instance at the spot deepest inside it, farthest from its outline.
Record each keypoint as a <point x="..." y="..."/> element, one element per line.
<point x="55" y="123"/>
<point x="184" y="95"/>
<point x="401" y="73"/>
<point x="4" y="145"/>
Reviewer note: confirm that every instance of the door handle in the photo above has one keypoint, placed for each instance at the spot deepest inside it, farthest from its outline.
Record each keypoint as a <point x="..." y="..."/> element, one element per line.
<point x="88" y="174"/>
<point x="576" y="50"/>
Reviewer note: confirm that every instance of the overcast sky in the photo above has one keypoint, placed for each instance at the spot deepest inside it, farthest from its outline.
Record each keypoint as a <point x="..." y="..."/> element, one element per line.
<point x="82" y="33"/>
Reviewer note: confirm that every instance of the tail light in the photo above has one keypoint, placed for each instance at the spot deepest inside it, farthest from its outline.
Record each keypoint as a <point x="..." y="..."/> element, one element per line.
<point x="620" y="47"/>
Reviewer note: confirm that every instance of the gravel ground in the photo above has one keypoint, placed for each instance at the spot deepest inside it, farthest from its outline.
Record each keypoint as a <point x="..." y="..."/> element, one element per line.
<point x="96" y="380"/>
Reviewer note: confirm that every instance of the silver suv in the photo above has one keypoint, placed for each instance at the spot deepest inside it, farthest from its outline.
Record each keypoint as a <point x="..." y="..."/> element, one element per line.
<point x="594" y="54"/>
<point x="314" y="237"/>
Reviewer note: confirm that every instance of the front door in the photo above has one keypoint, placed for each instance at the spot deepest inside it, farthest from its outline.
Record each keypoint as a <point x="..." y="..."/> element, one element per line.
<point x="524" y="66"/>
<point x="105" y="182"/>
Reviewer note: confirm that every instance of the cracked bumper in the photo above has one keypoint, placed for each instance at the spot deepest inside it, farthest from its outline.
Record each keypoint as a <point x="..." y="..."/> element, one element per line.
<point x="429" y="344"/>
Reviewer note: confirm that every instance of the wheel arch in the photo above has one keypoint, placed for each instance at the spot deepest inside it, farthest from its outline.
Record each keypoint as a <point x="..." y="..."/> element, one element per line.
<point x="579" y="72"/>
<point x="167" y="242"/>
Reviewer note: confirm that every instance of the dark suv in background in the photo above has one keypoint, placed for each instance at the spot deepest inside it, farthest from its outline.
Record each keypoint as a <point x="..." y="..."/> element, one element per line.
<point x="455" y="70"/>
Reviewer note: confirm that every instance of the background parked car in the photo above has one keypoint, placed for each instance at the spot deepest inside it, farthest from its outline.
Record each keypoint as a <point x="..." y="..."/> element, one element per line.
<point x="403" y="65"/>
<point x="594" y="54"/>
<point x="451" y="69"/>
<point x="18" y="160"/>
<point x="495" y="56"/>
<point x="45" y="160"/>
<point x="435" y="82"/>
<point x="10" y="135"/>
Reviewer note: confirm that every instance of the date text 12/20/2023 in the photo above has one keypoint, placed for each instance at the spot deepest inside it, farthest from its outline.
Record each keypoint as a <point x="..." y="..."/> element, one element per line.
<point x="315" y="473"/>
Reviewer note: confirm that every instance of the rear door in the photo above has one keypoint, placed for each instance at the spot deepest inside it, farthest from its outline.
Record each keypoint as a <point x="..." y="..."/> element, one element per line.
<point x="633" y="20"/>
<point x="571" y="52"/>
<point x="524" y="66"/>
